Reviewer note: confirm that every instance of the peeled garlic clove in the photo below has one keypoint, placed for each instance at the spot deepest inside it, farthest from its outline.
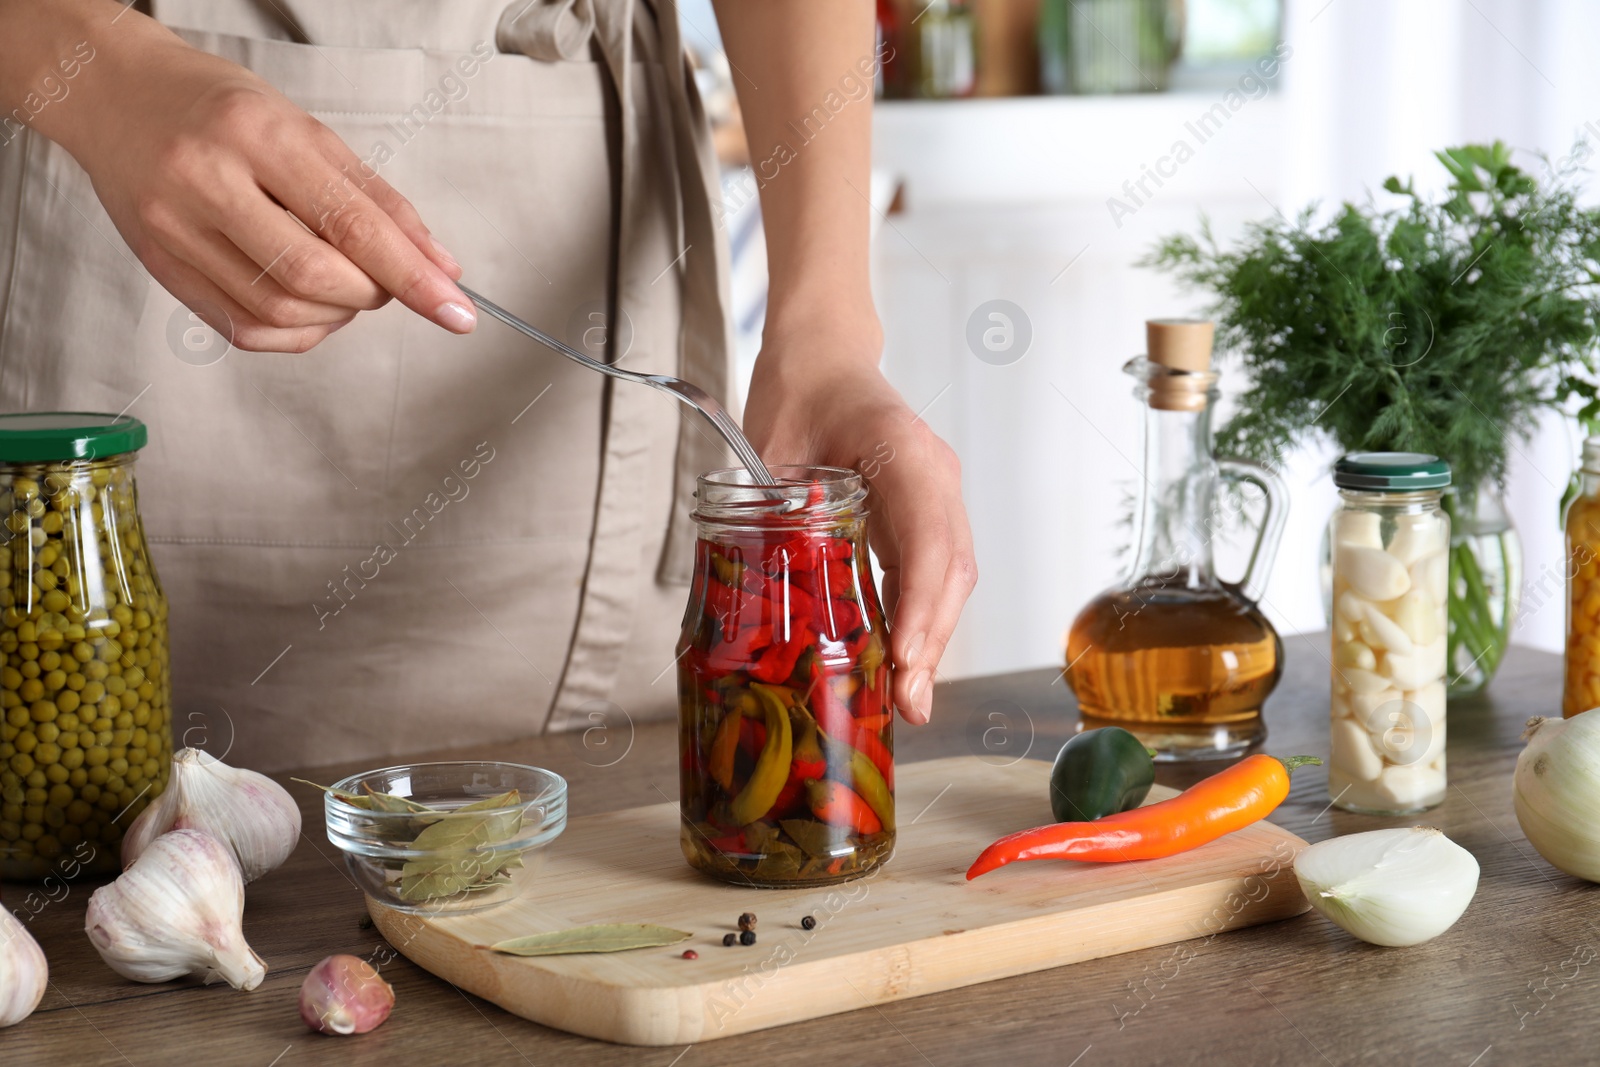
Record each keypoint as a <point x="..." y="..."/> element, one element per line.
<point x="1361" y="681"/>
<point x="1418" y="615"/>
<point x="1355" y="654"/>
<point x="1431" y="574"/>
<point x="23" y="971"/>
<point x="1372" y="572"/>
<point x="1365" y="706"/>
<point x="1389" y="887"/>
<point x="1416" y="536"/>
<point x="1352" y="752"/>
<point x="1385" y="633"/>
<point x="249" y="812"/>
<point x="178" y="910"/>
<point x="1357" y="528"/>
<point x="345" y="995"/>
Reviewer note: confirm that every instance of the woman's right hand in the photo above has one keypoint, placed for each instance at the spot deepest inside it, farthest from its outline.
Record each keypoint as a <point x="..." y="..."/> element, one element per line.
<point x="247" y="209"/>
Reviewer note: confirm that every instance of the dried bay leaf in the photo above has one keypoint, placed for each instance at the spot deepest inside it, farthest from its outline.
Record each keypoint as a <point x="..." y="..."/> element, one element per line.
<point x="504" y="800"/>
<point x="348" y="798"/>
<point x="818" y="839"/>
<point x="605" y="937"/>
<point x="393" y="803"/>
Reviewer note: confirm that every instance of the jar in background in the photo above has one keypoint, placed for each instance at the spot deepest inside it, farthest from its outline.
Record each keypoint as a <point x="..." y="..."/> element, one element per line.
<point x="1390" y="541"/>
<point x="785" y="725"/>
<point x="1582" y="689"/>
<point x="85" y="730"/>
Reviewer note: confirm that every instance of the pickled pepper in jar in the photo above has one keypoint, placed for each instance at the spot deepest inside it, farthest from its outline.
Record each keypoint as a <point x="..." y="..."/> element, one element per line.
<point x="785" y="727"/>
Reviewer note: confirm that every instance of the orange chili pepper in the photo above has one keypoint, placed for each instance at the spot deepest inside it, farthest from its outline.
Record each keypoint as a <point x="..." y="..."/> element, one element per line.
<point x="1227" y="801"/>
<point x="838" y="805"/>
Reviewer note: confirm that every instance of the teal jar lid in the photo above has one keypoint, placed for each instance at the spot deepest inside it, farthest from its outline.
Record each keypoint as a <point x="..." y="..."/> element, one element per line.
<point x="53" y="436"/>
<point x="1390" y="472"/>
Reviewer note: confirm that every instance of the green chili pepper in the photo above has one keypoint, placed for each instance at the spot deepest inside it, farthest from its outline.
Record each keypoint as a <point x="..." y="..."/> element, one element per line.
<point x="772" y="767"/>
<point x="1099" y="773"/>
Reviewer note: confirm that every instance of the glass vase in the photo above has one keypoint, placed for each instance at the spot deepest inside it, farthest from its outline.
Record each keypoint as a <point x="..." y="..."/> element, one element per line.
<point x="1485" y="586"/>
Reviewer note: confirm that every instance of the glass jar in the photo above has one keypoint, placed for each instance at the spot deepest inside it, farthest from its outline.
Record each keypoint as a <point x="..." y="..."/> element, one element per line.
<point x="1582" y="689"/>
<point x="1391" y="571"/>
<point x="786" y="724"/>
<point x="86" y="739"/>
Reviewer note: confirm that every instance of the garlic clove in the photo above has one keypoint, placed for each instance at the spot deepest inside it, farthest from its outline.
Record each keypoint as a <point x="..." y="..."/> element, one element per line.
<point x="345" y="995"/>
<point x="249" y="812"/>
<point x="177" y="911"/>
<point x="1351" y="749"/>
<point x="24" y="974"/>
<point x="1389" y="887"/>
<point x="1373" y="573"/>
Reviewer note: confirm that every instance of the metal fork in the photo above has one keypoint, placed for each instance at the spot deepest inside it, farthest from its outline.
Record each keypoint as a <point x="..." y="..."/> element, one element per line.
<point x="690" y="394"/>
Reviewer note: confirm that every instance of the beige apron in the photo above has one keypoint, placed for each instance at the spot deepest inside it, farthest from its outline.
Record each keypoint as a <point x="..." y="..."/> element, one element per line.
<point x="403" y="539"/>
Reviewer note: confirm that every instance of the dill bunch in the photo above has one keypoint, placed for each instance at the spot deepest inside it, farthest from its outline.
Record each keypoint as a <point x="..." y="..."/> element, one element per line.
<point x="1443" y="325"/>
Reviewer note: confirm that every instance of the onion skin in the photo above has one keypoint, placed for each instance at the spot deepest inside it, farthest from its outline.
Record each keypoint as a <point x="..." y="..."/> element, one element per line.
<point x="345" y="995"/>
<point x="1556" y="792"/>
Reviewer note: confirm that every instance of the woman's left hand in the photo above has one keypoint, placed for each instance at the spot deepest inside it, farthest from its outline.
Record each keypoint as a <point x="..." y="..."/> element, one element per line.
<point x="821" y="399"/>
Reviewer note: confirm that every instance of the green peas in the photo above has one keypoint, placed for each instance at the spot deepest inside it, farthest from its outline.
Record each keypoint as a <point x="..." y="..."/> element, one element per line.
<point x="84" y="693"/>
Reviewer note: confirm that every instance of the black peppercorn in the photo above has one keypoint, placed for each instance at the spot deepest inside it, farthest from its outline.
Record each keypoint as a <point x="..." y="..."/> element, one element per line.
<point x="747" y="938"/>
<point x="808" y="923"/>
<point x="730" y="939"/>
<point x="747" y="921"/>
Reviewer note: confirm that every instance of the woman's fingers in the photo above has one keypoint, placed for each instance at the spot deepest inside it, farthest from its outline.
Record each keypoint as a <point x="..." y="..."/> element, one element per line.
<point x="302" y="263"/>
<point x="364" y="233"/>
<point x="236" y="323"/>
<point x="928" y="565"/>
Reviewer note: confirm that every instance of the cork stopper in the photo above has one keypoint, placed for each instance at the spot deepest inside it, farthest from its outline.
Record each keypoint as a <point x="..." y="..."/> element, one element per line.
<point x="1182" y="346"/>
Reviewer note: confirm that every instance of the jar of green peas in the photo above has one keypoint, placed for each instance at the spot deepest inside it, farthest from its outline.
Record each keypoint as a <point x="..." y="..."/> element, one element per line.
<point x="85" y="725"/>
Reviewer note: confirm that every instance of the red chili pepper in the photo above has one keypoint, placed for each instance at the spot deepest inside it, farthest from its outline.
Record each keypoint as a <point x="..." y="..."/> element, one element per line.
<point x="788" y="801"/>
<point x="873" y="722"/>
<point x="1227" y="801"/>
<point x="752" y="736"/>
<point x="837" y="805"/>
<point x="870" y="745"/>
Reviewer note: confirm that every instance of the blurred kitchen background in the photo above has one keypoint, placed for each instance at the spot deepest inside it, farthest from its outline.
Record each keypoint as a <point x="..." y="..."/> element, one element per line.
<point x="1005" y="130"/>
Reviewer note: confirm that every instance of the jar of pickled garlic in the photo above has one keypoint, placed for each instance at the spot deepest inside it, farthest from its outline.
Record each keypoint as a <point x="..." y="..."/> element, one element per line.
<point x="786" y="725"/>
<point x="1582" y="689"/>
<point x="1390" y="540"/>
<point x="85" y="733"/>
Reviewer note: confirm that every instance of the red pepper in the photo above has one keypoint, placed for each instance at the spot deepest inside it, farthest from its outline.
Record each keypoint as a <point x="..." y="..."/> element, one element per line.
<point x="752" y="736"/>
<point x="835" y="720"/>
<point x="873" y="722"/>
<point x="837" y="805"/>
<point x="809" y="762"/>
<point x="788" y="801"/>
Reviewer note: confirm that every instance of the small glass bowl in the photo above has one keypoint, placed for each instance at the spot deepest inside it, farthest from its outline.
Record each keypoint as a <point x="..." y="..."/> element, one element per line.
<point x="467" y="861"/>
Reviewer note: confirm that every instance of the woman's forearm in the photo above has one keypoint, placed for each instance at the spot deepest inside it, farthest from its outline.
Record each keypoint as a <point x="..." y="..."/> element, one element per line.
<point x="804" y="74"/>
<point x="55" y="54"/>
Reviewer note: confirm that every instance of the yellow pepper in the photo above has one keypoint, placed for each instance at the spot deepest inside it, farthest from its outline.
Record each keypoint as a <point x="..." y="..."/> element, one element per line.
<point x="723" y="747"/>
<point x="772" y="767"/>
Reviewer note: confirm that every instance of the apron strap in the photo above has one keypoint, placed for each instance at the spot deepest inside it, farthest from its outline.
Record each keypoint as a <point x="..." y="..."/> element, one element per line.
<point x="547" y="30"/>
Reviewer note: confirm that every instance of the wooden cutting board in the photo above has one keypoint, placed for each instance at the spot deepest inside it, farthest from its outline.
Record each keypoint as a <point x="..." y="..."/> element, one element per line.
<point x="915" y="927"/>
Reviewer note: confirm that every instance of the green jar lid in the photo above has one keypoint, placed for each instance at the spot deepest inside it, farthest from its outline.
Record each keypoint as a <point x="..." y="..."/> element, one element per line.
<point x="1391" y="472"/>
<point x="47" y="436"/>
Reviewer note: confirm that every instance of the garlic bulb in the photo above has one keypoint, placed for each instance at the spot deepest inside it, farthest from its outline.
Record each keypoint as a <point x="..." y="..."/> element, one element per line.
<point x="344" y="995"/>
<point x="1389" y="887"/>
<point x="23" y="972"/>
<point x="246" y="811"/>
<point x="1556" y="792"/>
<point x="176" y="911"/>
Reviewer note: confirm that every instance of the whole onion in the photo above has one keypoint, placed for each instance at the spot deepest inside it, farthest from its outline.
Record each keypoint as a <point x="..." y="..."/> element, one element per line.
<point x="1556" y="792"/>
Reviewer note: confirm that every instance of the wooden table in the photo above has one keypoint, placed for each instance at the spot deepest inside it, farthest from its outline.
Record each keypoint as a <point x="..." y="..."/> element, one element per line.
<point x="1504" y="986"/>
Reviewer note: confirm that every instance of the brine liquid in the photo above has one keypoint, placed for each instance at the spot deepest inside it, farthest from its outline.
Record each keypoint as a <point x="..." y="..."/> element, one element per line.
<point x="1185" y="670"/>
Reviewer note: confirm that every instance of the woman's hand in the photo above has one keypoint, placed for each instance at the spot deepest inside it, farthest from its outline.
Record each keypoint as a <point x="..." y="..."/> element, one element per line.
<point x="815" y="400"/>
<point x="244" y="207"/>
